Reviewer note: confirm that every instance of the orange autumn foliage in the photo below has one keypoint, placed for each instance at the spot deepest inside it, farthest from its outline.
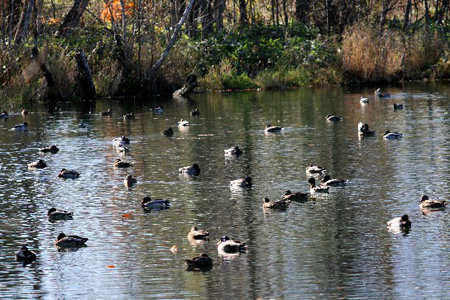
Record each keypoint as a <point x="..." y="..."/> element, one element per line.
<point x="114" y="8"/>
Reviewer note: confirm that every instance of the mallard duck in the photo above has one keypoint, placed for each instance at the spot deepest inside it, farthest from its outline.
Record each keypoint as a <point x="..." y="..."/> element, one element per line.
<point x="380" y="95"/>
<point x="392" y="135"/>
<point x="168" y="132"/>
<point x="242" y="182"/>
<point x="4" y="115"/>
<point x="123" y="140"/>
<point x="227" y="245"/>
<point x="193" y="170"/>
<point x="195" y="113"/>
<point x="198" y="234"/>
<point x="50" y="149"/>
<point x="364" y="99"/>
<point x="332" y="118"/>
<point x="398" y="106"/>
<point x="129" y="181"/>
<point x="314" y="169"/>
<point x="39" y="164"/>
<point x="270" y="128"/>
<point x="68" y="174"/>
<point x="148" y="203"/>
<point x="400" y="224"/>
<point x="129" y="116"/>
<point x="107" y="113"/>
<point x="276" y="204"/>
<point x="363" y="130"/>
<point x="327" y="181"/>
<point x="288" y="195"/>
<point x="233" y="151"/>
<point x="316" y="189"/>
<point x="158" y="109"/>
<point x="426" y="203"/>
<point x="199" y="263"/>
<point x="25" y="255"/>
<point x="54" y="214"/>
<point x="21" y="126"/>
<point x="122" y="149"/>
<point x="118" y="163"/>
<point x="183" y="123"/>
<point x="70" y="241"/>
<point x="24" y="112"/>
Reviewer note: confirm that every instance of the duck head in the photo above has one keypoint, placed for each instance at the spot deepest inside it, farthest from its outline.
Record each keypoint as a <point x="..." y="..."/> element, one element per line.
<point x="146" y="199"/>
<point x="266" y="200"/>
<point x="25" y="123"/>
<point x="248" y="180"/>
<point x="312" y="181"/>
<point x="196" y="167"/>
<point x="194" y="228"/>
<point x="326" y="178"/>
<point x="387" y="132"/>
<point x="224" y="238"/>
<point x="24" y="248"/>
<point x="405" y="220"/>
<point x="287" y="192"/>
<point x="50" y="211"/>
<point x="61" y="236"/>
<point x="424" y="198"/>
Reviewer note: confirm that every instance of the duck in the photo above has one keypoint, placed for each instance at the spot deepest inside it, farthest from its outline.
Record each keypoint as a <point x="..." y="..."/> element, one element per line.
<point x="39" y="164"/>
<point x="24" y="112"/>
<point x="54" y="214"/>
<point x="199" y="263"/>
<point x="195" y="113"/>
<point x="129" y="181"/>
<point x="243" y="182"/>
<point x="426" y="203"/>
<point x="363" y="130"/>
<point x="276" y="204"/>
<point x="50" y="149"/>
<point x="25" y="255"/>
<point x="21" y="126"/>
<point x="392" y="135"/>
<point x="198" y="234"/>
<point x="70" y="241"/>
<point x="270" y="128"/>
<point x="148" y="203"/>
<point x="364" y="99"/>
<point x="315" y="169"/>
<point x="68" y="174"/>
<point x="398" y="106"/>
<point x="183" y="123"/>
<point x="122" y="149"/>
<point x="233" y="151"/>
<point x="168" y="132"/>
<point x="107" y="113"/>
<point x="193" y="170"/>
<point x="380" y="95"/>
<point x="121" y="140"/>
<point x="400" y="224"/>
<point x="316" y="189"/>
<point x="327" y="181"/>
<point x="4" y="115"/>
<point x="288" y="195"/>
<point x="227" y="245"/>
<point x="118" y="163"/>
<point x="129" y="116"/>
<point x="332" y="118"/>
<point x="158" y="109"/>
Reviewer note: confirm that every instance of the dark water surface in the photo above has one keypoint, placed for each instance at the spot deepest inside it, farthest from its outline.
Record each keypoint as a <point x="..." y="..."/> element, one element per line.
<point x="337" y="246"/>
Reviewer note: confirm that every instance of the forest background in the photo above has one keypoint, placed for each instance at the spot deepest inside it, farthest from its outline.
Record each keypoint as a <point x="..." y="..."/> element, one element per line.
<point x="89" y="48"/>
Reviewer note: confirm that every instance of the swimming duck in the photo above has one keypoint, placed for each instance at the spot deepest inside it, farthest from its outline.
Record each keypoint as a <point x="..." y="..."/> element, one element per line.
<point x="70" y="241"/>
<point x="50" y="149"/>
<point x="68" y="174"/>
<point x="129" y="181"/>
<point x="129" y="116"/>
<point x="327" y="181"/>
<point x="270" y="128"/>
<point x="193" y="170"/>
<point x="392" y="135"/>
<point x="198" y="234"/>
<point x="158" y="109"/>
<point x="168" y="132"/>
<point x="21" y="126"/>
<point x="118" y="163"/>
<point x="199" y="263"/>
<point x="24" y="112"/>
<point x="316" y="189"/>
<point x="233" y="151"/>
<point x="183" y="123"/>
<point x="25" y="255"/>
<point x="332" y="118"/>
<point x="426" y="203"/>
<point x="363" y="130"/>
<point x="148" y="203"/>
<point x="364" y="99"/>
<point x="4" y="115"/>
<point x="195" y="113"/>
<point x="227" y="245"/>
<point x="276" y="204"/>
<point x="54" y="214"/>
<point x="400" y="223"/>
<point x="107" y="113"/>
<point x="314" y="169"/>
<point x="121" y="140"/>
<point x="122" y="149"/>
<point x="39" y="164"/>
<point x="380" y="95"/>
<point x="398" y="106"/>
<point x="243" y="182"/>
<point x="288" y="195"/>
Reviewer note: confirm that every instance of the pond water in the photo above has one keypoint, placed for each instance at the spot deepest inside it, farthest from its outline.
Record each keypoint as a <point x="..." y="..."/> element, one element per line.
<point x="333" y="246"/>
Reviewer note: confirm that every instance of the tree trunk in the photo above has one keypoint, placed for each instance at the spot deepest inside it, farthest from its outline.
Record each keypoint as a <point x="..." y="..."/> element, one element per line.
<point x="85" y="77"/>
<point x="24" y="22"/>
<point x="151" y="72"/>
<point x="427" y="15"/>
<point x="243" y="12"/>
<point x="302" y="11"/>
<point x="72" y="19"/>
<point x="220" y="4"/>
<point x="407" y="13"/>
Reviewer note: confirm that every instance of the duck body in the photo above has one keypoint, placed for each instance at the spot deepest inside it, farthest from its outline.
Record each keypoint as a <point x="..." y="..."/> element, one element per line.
<point x="107" y="113"/>
<point x="199" y="263"/>
<point x="327" y="181"/>
<point x="183" y="123"/>
<point x="39" y="164"/>
<point x="288" y="195"/>
<point x="192" y="170"/>
<point x="129" y="181"/>
<point x="242" y="182"/>
<point x="25" y="255"/>
<point x="316" y="189"/>
<point x="53" y="214"/>
<point x="398" y="106"/>
<point x="122" y="149"/>
<point x="129" y="116"/>
<point x="227" y="245"/>
<point x="364" y="99"/>
<point x="4" y="115"/>
<point x="68" y="174"/>
<point x="195" y="113"/>
<point x="168" y="132"/>
<point x="392" y="135"/>
<point x="363" y="130"/>
<point x="270" y="128"/>
<point x="332" y="118"/>
<point x="19" y="127"/>
<point x="314" y="169"/>
<point x="426" y="203"/>
<point x="118" y="163"/>
<point x="198" y="234"/>
<point x="149" y="204"/>
<point x="50" y="149"/>
<point x="400" y="224"/>
<point x="233" y="151"/>
<point x="67" y="241"/>
<point x="378" y="94"/>
<point x="276" y="204"/>
<point x="123" y="140"/>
